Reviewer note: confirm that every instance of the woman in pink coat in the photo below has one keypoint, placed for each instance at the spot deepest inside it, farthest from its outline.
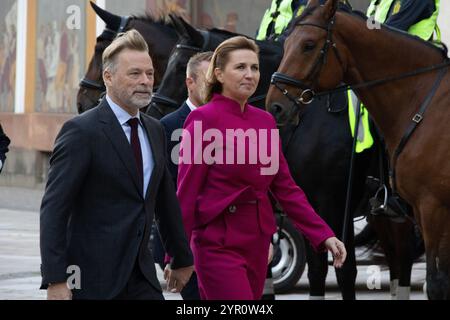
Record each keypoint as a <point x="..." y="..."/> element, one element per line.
<point x="230" y="160"/>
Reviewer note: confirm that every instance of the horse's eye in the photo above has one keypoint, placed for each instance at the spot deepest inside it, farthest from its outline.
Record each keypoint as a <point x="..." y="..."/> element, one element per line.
<point x="309" y="46"/>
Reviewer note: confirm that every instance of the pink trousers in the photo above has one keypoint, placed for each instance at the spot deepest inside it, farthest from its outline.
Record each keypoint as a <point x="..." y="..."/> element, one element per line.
<point x="230" y="255"/>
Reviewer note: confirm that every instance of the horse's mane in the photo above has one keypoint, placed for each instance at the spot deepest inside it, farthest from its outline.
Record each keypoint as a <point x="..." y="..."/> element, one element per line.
<point x="225" y="33"/>
<point x="344" y="8"/>
<point x="441" y="48"/>
<point x="150" y="17"/>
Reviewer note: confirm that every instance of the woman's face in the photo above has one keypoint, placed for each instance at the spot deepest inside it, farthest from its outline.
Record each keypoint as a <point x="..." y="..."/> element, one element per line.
<point x="240" y="76"/>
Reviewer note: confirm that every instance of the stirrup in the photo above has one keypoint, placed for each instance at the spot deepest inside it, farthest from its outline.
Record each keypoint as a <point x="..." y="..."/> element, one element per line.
<point x="379" y="208"/>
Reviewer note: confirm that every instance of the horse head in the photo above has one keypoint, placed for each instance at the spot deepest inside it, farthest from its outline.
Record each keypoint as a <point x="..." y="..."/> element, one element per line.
<point x="160" y="38"/>
<point x="172" y="90"/>
<point x="309" y="47"/>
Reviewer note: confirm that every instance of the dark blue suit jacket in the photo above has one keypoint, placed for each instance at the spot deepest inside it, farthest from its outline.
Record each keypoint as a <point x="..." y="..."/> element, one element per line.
<point x="171" y="122"/>
<point x="94" y="214"/>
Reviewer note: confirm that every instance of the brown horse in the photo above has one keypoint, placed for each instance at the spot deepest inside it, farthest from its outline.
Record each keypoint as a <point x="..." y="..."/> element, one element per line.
<point x="159" y="35"/>
<point x="405" y="84"/>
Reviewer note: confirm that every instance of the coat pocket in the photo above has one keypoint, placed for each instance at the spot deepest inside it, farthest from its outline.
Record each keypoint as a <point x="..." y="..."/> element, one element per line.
<point x="242" y="226"/>
<point x="211" y="234"/>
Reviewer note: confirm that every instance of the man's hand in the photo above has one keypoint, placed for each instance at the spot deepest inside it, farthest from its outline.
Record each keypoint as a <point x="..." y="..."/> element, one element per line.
<point x="337" y="248"/>
<point x="59" y="291"/>
<point x="177" y="278"/>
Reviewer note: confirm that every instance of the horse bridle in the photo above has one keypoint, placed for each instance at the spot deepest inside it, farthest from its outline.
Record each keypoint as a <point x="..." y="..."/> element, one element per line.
<point x="303" y="98"/>
<point x="321" y="61"/>
<point x="307" y="93"/>
<point x="160" y="99"/>
<point x="109" y="35"/>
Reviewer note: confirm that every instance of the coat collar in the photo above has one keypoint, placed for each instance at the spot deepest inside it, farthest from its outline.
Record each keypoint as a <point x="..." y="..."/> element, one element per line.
<point x="184" y="111"/>
<point x="230" y="105"/>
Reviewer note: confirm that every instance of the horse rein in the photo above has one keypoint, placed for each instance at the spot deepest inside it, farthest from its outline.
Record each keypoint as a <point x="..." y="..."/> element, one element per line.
<point x="109" y="35"/>
<point x="278" y="77"/>
<point x="308" y="94"/>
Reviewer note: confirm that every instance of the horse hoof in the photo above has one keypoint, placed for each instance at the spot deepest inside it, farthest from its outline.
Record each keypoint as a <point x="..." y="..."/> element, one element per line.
<point x="425" y="289"/>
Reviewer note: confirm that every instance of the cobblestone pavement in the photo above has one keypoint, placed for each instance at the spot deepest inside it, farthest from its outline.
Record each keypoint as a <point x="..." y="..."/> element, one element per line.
<point x="20" y="260"/>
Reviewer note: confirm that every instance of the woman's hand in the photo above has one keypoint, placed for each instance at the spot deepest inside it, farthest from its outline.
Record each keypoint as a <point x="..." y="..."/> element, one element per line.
<point x="337" y="249"/>
<point x="270" y="257"/>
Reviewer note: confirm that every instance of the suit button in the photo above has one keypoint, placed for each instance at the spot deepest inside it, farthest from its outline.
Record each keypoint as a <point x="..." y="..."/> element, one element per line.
<point x="232" y="209"/>
<point x="139" y="233"/>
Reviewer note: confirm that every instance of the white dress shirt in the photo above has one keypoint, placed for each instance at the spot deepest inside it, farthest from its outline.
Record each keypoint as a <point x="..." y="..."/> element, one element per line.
<point x="147" y="155"/>
<point x="190" y="104"/>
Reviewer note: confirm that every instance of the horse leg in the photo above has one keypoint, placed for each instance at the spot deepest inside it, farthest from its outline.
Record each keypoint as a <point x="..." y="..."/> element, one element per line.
<point x="403" y="237"/>
<point x="384" y="231"/>
<point x="434" y="220"/>
<point x="346" y="276"/>
<point x="317" y="273"/>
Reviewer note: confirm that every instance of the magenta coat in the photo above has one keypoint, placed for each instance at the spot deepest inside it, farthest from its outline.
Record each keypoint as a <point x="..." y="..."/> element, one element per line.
<point x="205" y="191"/>
<point x="226" y="210"/>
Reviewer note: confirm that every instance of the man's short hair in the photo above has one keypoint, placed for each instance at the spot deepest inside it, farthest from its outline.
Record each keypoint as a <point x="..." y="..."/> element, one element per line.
<point x="195" y="61"/>
<point x="131" y="40"/>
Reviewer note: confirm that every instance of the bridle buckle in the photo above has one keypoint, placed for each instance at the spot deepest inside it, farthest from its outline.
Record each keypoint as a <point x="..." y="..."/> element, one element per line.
<point x="307" y="96"/>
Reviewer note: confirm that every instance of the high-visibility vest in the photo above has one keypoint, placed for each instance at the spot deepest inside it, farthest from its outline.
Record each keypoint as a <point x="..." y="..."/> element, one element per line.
<point x="281" y="21"/>
<point x="364" y="137"/>
<point x="423" y="29"/>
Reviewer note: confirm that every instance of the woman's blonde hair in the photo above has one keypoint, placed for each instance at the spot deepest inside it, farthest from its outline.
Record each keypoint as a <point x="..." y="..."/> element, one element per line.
<point x="220" y="59"/>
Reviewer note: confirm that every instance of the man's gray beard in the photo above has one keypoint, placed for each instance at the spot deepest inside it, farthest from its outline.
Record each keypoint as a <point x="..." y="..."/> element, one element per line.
<point x="141" y="103"/>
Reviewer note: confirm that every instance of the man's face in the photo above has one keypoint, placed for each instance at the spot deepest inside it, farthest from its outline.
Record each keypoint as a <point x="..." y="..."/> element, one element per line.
<point x="130" y="85"/>
<point x="196" y="86"/>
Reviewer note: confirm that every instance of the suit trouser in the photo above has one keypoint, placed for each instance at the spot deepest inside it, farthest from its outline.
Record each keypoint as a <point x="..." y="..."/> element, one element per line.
<point x="139" y="288"/>
<point x="230" y="256"/>
<point x="190" y="290"/>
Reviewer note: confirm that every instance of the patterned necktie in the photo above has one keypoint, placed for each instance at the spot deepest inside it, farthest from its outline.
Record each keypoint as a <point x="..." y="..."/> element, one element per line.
<point x="136" y="146"/>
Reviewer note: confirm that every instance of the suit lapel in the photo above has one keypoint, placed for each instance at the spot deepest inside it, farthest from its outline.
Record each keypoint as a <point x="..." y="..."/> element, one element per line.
<point x="113" y="130"/>
<point x="152" y="135"/>
<point x="184" y="112"/>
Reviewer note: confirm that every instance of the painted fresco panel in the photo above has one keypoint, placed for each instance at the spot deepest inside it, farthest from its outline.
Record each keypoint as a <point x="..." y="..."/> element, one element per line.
<point x="8" y="46"/>
<point x="60" y="51"/>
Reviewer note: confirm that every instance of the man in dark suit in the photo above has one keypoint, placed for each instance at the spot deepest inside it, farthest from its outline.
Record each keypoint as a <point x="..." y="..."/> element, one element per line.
<point x="107" y="180"/>
<point x="4" y="143"/>
<point x="195" y="78"/>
